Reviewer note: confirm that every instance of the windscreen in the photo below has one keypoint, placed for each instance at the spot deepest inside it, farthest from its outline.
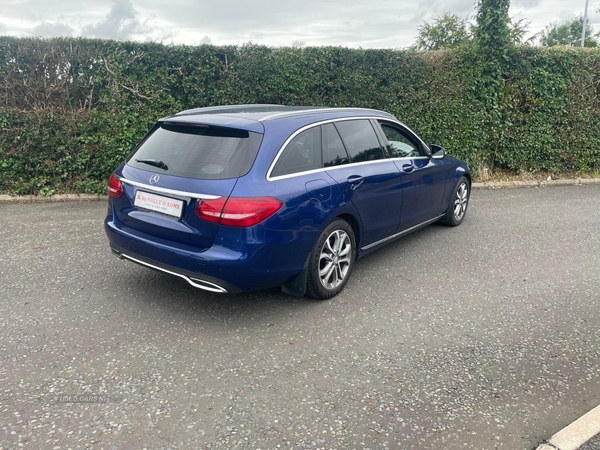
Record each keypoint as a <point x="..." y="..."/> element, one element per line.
<point x="197" y="151"/>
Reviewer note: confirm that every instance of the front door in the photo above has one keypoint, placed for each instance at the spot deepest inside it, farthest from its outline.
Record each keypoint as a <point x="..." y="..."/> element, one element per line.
<point x="423" y="178"/>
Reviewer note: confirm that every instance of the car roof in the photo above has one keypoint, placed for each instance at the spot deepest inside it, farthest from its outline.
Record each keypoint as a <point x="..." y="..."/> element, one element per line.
<point x="254" y="117"/>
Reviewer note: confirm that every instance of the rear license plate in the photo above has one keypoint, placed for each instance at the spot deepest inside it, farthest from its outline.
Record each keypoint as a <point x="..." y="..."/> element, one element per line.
<point x="158" y="203"/>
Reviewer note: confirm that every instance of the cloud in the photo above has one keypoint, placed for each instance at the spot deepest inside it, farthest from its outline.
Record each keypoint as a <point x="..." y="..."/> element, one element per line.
<point x="427" y="10"/>
<point x="276" y="23"/>
<point x="52" y="29"/>
<point x="120" y="23"/>
<point x="348" y="23"/>
<point x="527" y="4"/>
<point x="298" y="43"/>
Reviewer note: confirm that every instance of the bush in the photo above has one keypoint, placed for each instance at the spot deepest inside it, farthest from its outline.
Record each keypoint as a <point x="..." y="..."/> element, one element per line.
<point x="71" y="109"/>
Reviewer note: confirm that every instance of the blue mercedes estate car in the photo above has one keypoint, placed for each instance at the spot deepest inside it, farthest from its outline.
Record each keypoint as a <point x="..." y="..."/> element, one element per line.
<point x="241" y="198"/>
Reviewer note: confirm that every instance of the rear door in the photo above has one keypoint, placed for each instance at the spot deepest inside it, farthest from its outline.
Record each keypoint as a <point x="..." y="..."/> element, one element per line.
<point x="174" y="168"/>
<point x="354" y="158"/>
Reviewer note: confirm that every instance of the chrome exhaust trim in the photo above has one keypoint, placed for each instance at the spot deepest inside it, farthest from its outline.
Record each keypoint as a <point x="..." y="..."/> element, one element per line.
<point x="200" y="284"/>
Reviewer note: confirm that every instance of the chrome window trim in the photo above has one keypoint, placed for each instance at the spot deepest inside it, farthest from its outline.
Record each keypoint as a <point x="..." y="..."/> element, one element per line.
<point x="361" y="163"/>
<point x="402" y="233"/>
<point x="148" y="187"/>
<point x="297" y="174"/>
<point x="404" y="158"/>
<point x="304" y="128"/>
<point x="324" y="169"/>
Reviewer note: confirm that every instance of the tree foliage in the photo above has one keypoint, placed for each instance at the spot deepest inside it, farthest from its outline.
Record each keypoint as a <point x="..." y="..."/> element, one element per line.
<point x="518" y="30"/>
<point x="492" y="43"/>
<point x="451" y="31"/>
<point x="492" y="32"/>
<point x="443" y="32"/>
<point x="568" y="33"/>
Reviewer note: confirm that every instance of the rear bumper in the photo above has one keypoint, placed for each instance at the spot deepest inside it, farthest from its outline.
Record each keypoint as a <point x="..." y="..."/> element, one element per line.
<point x="199" y="281"/>
<point x="237" y="264"/>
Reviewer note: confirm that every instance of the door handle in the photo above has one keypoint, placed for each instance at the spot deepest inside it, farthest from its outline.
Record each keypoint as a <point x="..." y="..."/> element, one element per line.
<point x="355" y="181"/>
<point x="408" y="167"/>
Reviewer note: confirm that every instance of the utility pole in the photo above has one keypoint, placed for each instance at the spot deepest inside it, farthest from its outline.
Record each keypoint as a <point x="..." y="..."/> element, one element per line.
<point x="584" y="23"/>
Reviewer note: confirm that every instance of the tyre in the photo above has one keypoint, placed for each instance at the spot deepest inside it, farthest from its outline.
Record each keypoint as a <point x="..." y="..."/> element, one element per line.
<point x="331" y="261"/>
<point x="458" y="207"/>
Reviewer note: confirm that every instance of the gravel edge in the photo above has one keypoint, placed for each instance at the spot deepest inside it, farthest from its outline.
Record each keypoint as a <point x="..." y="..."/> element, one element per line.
<point x="52" y="198"/>
<point x="544" y="183"/>
<point x="488" y="185"/>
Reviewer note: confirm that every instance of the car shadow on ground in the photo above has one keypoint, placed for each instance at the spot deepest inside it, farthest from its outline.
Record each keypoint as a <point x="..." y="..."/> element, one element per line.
<point x="147" y="289"/>
<point x="175" y="298"/>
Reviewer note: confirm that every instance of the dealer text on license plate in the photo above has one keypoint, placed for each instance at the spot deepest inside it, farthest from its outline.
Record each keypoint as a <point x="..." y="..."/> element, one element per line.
<point x="158" y="203"/>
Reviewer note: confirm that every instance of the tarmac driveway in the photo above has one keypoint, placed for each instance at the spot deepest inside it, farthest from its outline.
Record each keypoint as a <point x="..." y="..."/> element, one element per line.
<point x="481" y="337"/>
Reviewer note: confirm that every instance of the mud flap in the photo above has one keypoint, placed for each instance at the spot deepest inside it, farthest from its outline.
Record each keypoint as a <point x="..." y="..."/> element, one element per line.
<point x="297" y="287"/>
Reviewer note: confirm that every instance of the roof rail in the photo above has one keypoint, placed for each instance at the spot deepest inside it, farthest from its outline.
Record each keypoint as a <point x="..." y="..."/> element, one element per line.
<point x="231" y="109"/>
<point x="314" y="109"/>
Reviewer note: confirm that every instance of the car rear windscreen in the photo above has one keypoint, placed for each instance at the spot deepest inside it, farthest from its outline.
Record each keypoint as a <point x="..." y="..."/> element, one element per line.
<point x="197" y="151"/>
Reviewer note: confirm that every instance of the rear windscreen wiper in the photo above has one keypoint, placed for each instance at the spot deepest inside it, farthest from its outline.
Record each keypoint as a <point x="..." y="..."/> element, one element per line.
<point x="153" y="162"/>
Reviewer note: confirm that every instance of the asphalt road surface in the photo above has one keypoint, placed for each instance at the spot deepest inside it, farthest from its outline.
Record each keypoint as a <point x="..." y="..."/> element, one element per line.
<point x="484" y="336"/>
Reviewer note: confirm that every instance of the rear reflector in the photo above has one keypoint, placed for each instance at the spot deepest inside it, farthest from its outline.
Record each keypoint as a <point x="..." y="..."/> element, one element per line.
<point x="114" y="188"/>
<point x="238" y="211"/>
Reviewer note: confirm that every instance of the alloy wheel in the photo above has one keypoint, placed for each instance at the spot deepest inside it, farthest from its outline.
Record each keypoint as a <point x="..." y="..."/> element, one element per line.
<point x="335" y="259"/>
<point x="460" y="201"/>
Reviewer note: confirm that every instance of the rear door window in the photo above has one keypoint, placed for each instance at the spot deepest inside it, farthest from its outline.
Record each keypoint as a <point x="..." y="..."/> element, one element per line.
<point x="303" y="153"/>
<point x="334" y="153"/>
<point x="197" y="151"/>
<point x="360" y="140"/>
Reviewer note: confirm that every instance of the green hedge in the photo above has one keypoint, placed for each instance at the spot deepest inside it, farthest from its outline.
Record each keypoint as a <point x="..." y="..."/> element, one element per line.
<point x="71" y="109"/>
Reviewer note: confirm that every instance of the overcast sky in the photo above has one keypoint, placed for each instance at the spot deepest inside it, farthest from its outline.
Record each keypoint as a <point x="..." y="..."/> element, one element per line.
<point x="347" y="23"/>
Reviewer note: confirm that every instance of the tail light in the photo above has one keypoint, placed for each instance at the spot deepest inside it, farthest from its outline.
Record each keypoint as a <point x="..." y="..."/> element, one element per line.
<point x="114" y="188"/>
<point x="238" y="211"/>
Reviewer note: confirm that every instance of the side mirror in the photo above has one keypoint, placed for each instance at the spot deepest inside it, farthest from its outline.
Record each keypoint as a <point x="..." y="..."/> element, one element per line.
<point x="437" y="151"/>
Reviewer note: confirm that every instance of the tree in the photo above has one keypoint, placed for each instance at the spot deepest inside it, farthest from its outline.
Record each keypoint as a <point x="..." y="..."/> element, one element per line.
<point x="451" y="31"/>
<point x="518" y="30"/>
<point x="493" y="39"/>
<point x="568" y="33"/>
<point x="492" y="32"/>
<point x="444" y="32"/>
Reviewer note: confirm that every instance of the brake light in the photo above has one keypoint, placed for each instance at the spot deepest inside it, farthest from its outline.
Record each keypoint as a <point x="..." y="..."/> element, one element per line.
<point x="210" y="210"/>
<point x="114" y="188"/>
<point x="238" y="211"/>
